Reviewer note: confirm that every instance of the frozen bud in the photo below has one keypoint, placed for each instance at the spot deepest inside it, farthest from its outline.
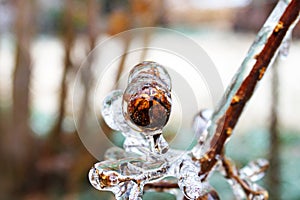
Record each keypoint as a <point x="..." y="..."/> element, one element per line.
<point x="147" y="98"/>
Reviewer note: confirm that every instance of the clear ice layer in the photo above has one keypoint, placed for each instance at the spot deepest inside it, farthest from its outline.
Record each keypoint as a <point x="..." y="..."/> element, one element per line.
<point x="140" y="113"/>
<point x="200" y="125"/>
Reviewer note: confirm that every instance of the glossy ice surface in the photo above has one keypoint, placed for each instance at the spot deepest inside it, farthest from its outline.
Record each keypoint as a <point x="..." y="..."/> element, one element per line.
<point x="140" y="113"/>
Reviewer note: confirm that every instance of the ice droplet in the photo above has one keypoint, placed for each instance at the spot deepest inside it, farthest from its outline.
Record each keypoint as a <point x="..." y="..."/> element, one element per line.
<point x="158" y="144"/>
<point x="113" y="116"/>
<point x="112" y="111"/>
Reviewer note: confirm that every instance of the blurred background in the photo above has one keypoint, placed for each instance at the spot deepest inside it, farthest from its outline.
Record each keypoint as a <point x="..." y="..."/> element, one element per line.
<point x="42" y="45"/>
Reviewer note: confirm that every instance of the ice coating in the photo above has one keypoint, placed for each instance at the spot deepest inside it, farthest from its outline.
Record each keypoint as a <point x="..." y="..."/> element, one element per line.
<point x="140" y="113"/>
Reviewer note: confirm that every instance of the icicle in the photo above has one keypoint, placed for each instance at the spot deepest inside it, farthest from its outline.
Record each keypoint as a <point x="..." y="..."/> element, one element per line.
<point x="200" y="125"/>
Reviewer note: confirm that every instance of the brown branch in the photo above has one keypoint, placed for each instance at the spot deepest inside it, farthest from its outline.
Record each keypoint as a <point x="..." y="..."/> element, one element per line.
<point x="230" y="174"/>
<point x="160" y="186"/>
<point x="227" y="123"/>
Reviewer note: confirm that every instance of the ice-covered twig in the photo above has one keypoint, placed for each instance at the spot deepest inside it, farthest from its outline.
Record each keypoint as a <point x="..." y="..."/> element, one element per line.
<point x="260" y="56"/>
<point x="242" y="180"/>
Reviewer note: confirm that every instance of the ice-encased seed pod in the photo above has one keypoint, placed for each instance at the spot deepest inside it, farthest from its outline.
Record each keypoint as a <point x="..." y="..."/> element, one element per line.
<point x="147" y="98"/>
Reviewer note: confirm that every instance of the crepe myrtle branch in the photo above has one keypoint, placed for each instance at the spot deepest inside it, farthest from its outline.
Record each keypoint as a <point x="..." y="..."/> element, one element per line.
<point x="227" y="122"/>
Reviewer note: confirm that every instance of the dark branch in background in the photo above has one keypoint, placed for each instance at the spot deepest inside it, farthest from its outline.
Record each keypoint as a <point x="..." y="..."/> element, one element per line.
<point x="68" y="40"/>
<point x="146" y="41"/>
<point x="92" y="12"/>
<point x="274" y="149"/>
<point x="126" y="42"/>
<point x="20" y="137"/>
<point x="86" y="76"/>
<point x="227" y="123"/>
<point x="18" y="142"/>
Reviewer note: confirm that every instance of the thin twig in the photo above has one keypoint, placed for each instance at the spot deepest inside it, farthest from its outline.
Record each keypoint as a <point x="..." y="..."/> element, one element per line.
<point x="230" y="173"/>
<point x="160" y="186"/>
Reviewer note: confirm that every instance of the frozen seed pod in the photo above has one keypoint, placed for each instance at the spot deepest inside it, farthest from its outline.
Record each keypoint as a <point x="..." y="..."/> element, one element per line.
<point x="147" y="103"/>
<point x="147" y="99"/>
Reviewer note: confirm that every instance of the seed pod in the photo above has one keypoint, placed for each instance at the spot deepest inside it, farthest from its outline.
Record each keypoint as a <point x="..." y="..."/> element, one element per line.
<point x="147" y="99"/>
